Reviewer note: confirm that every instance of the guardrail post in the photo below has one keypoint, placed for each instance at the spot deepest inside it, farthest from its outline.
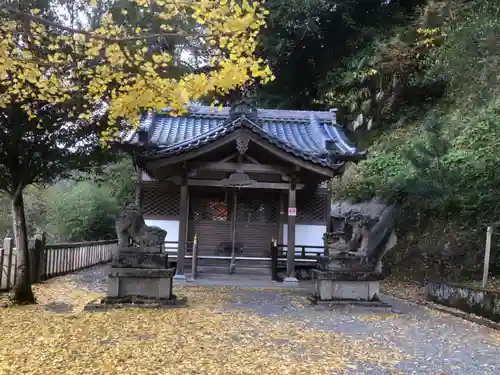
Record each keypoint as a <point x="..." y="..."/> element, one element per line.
<point x="487" y="251"/>
<point x="274" y="260"/>
<point x="194" y="259"/>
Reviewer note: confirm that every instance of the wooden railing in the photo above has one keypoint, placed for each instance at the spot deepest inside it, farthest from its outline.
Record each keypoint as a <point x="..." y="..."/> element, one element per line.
<point x="306" y="253"/>
<point x="171" y="247"/>
<point x="46" y="261"/>
<point x="305" y="256"/>
<point x="301" y="251"/>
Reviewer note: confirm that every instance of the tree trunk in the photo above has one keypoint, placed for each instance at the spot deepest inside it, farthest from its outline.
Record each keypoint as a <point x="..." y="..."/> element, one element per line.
<point x="22" y="292"/>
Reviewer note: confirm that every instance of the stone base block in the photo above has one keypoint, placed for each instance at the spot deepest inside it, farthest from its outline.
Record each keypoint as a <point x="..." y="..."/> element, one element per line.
<point x="143" y="249"/>
<point x="142" y="273"/>
<point x="140" y="283"/>
<point x="342" y="274"/>
<point x="331" y="290"/>
<point x="134" y="259"/>
<point x="180" y="278"/>
<point x="110" y="303"/>
<point x="340" y="303"/>
<point x="291" y="281"/>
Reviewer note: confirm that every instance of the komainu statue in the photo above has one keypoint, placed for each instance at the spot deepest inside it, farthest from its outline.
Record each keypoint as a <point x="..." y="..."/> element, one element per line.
<point x="131" y="228"/>
<point x="359" y="237"/>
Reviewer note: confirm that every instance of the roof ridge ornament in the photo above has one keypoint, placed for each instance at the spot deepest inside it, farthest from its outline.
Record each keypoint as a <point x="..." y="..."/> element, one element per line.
<point x="242" y="144"/>
<point x="243" y="108"/>
<point x="333" y="111"/>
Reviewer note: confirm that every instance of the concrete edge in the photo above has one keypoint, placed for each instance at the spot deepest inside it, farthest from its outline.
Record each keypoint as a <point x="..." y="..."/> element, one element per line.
<point x="452" y="311"/>
<point x="464" y="315"/>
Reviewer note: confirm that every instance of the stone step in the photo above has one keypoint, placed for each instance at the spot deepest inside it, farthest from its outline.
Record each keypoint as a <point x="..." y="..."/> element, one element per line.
<point x="225" y="263"/>
<point x="220" y="270"/>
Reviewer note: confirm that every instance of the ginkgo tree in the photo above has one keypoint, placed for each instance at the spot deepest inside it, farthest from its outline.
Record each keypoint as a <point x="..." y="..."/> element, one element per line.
<point x="118" y="64"/>
<point x="54" y="74"/>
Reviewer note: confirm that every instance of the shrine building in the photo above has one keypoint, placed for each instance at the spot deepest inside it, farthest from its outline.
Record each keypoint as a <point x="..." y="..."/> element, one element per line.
<point x="239" y="178"/>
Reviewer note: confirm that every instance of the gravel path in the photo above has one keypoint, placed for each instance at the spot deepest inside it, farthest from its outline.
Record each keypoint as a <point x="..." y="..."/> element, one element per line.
<point x="434" y="343"/>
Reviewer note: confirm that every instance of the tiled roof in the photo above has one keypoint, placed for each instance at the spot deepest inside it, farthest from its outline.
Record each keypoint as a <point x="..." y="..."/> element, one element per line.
<point x="302" y="133"/>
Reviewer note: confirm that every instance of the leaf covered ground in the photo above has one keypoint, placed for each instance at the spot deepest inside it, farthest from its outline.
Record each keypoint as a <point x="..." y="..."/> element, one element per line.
<point x="225" y="331"/>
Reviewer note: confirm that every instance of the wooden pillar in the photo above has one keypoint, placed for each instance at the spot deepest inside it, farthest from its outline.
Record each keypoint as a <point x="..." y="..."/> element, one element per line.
<point x="281" y="218"/>
<point x="328" y="214"/>
<point x="183" y="222"/>
<point x="194" y="261"/>
<point x="274" y="261"/>
<point x="290" y="249"/>
<point x="232" y="264"/>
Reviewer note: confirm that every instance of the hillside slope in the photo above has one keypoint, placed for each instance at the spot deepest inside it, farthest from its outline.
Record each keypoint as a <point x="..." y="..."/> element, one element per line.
<point x="428" y="110"/>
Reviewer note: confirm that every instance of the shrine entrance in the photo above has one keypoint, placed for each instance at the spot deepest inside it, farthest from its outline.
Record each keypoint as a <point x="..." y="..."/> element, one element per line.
<point x="241" y="174"/>
<point x="234" y="222"/>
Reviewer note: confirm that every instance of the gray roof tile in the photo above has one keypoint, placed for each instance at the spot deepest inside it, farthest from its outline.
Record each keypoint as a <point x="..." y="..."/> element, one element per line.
<point x="302" y="133"/>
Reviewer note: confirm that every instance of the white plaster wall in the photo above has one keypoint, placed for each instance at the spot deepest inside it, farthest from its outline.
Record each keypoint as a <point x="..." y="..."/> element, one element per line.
<point x="171" y="226"/>
<point x="145" y="177"/>
<point x="309" y="235"/>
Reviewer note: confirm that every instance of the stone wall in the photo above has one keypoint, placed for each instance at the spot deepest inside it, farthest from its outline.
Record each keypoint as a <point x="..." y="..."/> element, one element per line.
<point x="482" y="302"/>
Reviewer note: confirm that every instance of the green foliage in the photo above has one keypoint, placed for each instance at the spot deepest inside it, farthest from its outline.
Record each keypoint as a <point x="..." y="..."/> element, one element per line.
<point x="443" y="163"/>
<point x="120" y="179"/>
<point x="446" y="157"/>
<point x="315" y="38"/>
<point x="451" y="178"/>
<point x="469" y="57"/>
<point x="78" y="209"/>
<point x="382" y="78"/>
<point x="86" y="210"/>
<point x="89" y="206"/>
<point x="417" y="86"/>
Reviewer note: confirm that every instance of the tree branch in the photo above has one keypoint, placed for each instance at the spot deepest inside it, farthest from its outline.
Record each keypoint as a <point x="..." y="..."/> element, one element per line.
<point x="90" y="34"/>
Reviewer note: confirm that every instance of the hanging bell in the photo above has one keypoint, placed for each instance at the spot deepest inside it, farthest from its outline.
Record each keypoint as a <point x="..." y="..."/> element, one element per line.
<point x="237" y="179"/>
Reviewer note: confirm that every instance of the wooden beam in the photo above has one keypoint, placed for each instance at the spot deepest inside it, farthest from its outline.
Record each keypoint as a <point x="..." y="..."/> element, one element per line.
<point x="246" y="167"/>
<point x="227" y="158"/>
<point x="255" y="185"/>
<point x="249" y="158"/>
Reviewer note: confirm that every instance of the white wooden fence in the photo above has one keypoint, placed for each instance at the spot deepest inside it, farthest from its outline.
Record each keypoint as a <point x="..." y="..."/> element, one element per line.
<point x="46" y="261"/>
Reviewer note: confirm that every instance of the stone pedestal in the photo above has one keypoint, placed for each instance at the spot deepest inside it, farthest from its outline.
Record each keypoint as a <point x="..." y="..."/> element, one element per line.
<point x="345" y="286"/>
<point x="140" y="275"/>
<point x="140" y="283"/>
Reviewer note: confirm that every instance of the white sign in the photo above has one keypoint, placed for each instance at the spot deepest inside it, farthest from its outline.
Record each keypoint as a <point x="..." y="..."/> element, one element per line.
<point x="292" y="211"/>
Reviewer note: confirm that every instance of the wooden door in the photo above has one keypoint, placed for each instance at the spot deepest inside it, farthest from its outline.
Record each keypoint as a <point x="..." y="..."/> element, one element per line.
<point x="256" y="221"/>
